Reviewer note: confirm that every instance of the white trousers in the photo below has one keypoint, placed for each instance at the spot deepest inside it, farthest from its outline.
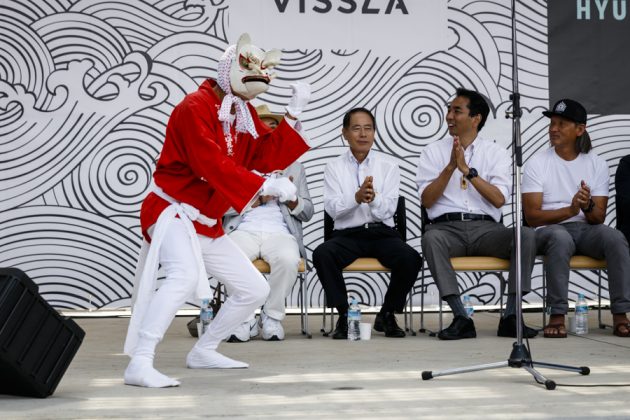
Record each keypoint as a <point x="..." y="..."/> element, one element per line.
<point x="225" y="261"/>
<point x="280" y="250"/>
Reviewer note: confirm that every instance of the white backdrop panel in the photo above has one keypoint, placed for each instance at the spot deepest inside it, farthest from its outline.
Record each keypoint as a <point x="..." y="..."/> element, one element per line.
<point x="86" y="88"/>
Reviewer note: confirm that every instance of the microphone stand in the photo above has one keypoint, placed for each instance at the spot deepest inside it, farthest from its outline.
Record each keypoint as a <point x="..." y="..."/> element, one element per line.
<point x="520" y="356"/>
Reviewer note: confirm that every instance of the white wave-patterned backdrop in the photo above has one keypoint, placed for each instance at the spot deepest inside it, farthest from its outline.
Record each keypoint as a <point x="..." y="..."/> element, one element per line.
<point x="86" y="88"/>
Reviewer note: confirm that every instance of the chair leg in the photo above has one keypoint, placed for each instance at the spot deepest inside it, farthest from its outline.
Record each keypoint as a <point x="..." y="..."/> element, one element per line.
<point x="441" y="320"/>
<point x="422" y="291"/>
<point x="323" y="330"/>
<point x="220" y="294"/>
<point x="502" y="283"/>
<point x="544" y="294"/>
<point x="304" y="304"/>
<point x="406" y="313"/>
<point x="599" y="302"/>
<point x="413" y="332"/>
<point x="409" y="327"/>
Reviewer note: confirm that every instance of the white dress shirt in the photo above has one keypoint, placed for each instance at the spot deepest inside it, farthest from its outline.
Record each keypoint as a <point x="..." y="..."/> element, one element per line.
<point x="344" y="176"/>
<point x="492" y="162"/>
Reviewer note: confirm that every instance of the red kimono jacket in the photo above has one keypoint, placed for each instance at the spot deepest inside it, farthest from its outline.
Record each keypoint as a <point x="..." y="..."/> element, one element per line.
<point x="194" y="166"/>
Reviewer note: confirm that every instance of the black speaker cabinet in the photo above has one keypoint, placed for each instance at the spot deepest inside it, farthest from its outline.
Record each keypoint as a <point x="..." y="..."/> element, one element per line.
<point x="37" y="344"/>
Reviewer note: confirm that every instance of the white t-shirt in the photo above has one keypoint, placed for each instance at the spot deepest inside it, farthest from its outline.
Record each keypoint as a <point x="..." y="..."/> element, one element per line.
<point x="560" y="179"/>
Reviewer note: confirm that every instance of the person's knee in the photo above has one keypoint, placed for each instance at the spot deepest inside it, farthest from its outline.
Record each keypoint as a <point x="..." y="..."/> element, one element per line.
<point x="613" y="237"/>
<point x="185" y="275"/>
<point x="528" y="237"/>
<point x="260" y="291"/>
<point x="286" y="260"/>
<point x="411" y="259"/>
<point x="322" y="254"/>
<point x="432" y="238"/>
<point x="558" y="238"/>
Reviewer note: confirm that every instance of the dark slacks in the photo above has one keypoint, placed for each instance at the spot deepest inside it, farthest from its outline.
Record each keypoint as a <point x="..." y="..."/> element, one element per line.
<point x="442" y="241"/>
<point x="559" y="242"/>
<point x="382" y="243"/>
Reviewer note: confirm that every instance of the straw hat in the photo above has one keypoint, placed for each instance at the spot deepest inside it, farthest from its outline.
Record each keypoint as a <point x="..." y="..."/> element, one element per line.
<point x="263" y="111"/>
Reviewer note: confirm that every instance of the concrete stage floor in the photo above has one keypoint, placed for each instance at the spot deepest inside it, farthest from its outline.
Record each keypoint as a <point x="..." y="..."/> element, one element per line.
<point x="325" y="378"/>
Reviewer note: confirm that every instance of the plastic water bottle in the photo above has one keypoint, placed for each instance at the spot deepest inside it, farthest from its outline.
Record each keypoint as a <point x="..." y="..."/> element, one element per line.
<point x="581" y="315"/>
<point x="205" y="314"/>
<point x="470" y="310"/>
<point x="354" y="319"/>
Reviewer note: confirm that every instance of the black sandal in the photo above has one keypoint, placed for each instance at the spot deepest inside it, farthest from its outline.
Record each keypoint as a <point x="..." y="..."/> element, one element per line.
<point x="560" y="331"/>
<point x="617" y="331"/>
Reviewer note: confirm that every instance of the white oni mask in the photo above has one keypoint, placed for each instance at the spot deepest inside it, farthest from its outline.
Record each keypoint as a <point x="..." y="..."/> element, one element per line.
<point x="250" y="70"/>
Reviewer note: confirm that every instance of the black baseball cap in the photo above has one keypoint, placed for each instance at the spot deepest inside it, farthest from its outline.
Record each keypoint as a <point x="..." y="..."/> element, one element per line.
<point x="569" y="109"/>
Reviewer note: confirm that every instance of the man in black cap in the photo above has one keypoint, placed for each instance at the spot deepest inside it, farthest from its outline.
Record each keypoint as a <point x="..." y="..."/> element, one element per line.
<point x="565" y="194"/>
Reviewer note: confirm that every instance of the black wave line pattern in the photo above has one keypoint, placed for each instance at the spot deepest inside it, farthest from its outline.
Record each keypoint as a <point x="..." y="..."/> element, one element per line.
<point x="144" y="24"/>
<point x="73" y="36"/>
<point x="197" y="57"/>
<point x="69" y="252"/>
<point x="28" y="11"/>
<point x="38" y="163"/>
<point x="24" y="58"/>
<point x="118" y="174"/>
<point x="86" y="89"/>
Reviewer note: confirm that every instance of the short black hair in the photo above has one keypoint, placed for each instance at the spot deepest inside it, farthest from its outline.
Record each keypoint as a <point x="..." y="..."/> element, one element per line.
<point x="477" y="105"/>
<point x="349" y="114"/>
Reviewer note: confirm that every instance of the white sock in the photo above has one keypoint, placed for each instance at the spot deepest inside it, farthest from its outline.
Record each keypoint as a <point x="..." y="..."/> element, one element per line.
<point x="141" y="372"/>
<point x="211" y="359"/>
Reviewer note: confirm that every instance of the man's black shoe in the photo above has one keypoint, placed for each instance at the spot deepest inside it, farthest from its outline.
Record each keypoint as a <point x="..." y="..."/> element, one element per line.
<point x="461" y="327"/>
<point x="341" y="329"/>
<point x="507" y="328"/>
<point x="386" y="322"/>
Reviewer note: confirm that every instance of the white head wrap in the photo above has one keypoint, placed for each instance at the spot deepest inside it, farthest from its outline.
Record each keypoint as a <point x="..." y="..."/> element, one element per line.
<point x="244" y="121"/>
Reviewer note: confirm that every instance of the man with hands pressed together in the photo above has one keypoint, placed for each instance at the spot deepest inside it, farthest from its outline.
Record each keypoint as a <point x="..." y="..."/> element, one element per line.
<point x="565" y="194"/>
<point x="463" y="182"/>
<point x="361" y="189"/>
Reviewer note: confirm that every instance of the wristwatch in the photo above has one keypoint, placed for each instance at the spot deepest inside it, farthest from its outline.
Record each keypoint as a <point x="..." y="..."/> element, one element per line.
<point x="472" y="172"/>
<point x="591" y="205"/>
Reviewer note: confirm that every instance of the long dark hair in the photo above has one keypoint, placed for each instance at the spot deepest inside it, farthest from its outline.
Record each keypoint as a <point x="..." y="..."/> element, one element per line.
<point x="583" y="143"/>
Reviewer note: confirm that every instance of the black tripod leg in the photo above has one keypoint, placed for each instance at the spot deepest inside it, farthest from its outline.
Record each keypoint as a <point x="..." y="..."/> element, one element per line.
<point x="427" y="374"/>
<point x="582" y="370"/>
<point x="549" y="384"/>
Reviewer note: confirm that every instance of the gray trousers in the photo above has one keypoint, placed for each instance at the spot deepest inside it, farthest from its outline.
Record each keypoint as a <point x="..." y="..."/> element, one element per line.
<point x="442" y="241"/>
<point x="559" y="242"/>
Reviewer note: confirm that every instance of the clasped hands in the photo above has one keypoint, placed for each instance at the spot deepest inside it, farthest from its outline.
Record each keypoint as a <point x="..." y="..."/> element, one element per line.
<point x="365" y="193"/>
<point x="457" y="158"/>
<point x="582" y="198"/>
